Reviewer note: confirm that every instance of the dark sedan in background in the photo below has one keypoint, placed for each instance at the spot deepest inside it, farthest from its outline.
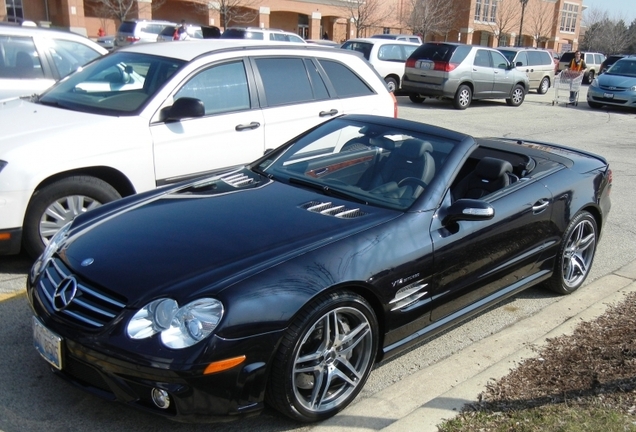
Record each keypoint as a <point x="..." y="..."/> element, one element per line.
<point x="286" y="280"/>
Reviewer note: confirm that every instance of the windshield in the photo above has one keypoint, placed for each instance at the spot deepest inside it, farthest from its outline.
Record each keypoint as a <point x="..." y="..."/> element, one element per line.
<point x="118" y="84"/>
<point x="623" y="67"/>
<point x="510" y="55"/>
<point x="366" y="162"/>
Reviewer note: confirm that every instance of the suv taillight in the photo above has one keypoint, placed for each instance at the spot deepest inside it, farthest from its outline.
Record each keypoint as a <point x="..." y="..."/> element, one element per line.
<point x="132" y="39"/>
<point x="444" y="66"/>
<point x="410" y="62"/>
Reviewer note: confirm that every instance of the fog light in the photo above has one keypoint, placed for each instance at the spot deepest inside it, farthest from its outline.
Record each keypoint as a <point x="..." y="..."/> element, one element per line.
<point x="161" y="398"/>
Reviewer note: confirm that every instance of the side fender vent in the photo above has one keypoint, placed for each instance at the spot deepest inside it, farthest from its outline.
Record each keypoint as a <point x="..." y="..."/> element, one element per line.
<point x="237" y="179"/>
<point x="330" y="209"/>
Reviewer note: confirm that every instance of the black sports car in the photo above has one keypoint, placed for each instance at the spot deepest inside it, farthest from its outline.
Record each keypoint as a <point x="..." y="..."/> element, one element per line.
<point x="284" y="281"/>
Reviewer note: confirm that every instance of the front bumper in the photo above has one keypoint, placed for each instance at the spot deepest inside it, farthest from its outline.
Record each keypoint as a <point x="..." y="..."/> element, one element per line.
<point x="608" y="97"/>
<point x="93" y="362"/>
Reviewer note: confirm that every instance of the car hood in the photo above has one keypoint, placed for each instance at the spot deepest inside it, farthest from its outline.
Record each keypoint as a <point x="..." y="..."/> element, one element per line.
<point x="178" y="243"/>
<point x="609" y="80"/>
<point x="22" y="121"/>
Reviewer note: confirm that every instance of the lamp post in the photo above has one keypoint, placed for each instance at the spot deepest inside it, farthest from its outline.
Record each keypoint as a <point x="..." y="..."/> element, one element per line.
<point x="523" y="11"/>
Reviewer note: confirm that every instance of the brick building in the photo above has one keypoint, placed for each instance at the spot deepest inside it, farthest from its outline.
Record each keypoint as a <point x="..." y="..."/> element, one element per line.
<point x="546" y="23"/>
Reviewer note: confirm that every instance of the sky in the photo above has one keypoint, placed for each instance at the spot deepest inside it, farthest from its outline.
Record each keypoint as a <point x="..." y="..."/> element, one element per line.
<point x="616" y="9"/>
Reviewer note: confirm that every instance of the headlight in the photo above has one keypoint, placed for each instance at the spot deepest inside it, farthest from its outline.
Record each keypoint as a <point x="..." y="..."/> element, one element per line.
<point x="50" y="249"/>
<point x="594" y="83"/>
<point x="632" y="88"/>
<point x="179" y="327"/>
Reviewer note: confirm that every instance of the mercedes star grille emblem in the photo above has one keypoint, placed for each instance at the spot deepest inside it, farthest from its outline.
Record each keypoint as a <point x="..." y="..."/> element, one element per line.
<point x="64" y="293"/>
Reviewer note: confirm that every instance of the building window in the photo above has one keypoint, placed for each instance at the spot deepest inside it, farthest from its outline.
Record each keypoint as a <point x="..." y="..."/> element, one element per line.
<point x="486" y="10"/>
<point x="14" y="10"/>
<point x="569" y="14"/>
<point x="386" y="30"/>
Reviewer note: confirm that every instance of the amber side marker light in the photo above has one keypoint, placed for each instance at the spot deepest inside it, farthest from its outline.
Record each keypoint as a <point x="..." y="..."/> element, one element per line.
<point x="222" y="365"/>
<point x="5" y="236"/>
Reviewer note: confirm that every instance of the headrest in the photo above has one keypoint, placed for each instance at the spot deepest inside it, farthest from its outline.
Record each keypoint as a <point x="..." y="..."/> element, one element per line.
<point x="414" y="148"/>
<point x="491" y="169"/>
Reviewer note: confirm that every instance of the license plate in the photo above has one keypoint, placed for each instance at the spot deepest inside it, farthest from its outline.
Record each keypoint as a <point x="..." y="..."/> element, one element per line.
<point x="47" y="343"/>
<point x="608" y="95"/>
<point x="422" y="64"/>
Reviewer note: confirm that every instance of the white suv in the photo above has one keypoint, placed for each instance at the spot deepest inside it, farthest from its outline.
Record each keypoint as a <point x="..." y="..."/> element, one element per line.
<point x="257" y="33"/>
<point x="387" y="56"/>
<point x="154" y="114"/>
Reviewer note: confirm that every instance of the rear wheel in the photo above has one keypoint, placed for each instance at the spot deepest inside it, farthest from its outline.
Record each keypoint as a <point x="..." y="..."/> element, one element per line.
<point x="544" y="86"/>
<point x="415" y="98"/>
<point x="55" y="205"/>
<point x="391" y="83"/>
<point x="589" y="77"/>
<point x="463" y="97"/>
<point x="517" y="96"/>
<point x="324" y="358"/>
<point x="576" y="254"/>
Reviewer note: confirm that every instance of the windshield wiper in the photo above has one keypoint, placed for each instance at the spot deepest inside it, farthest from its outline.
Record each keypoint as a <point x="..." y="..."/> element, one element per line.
<point x="327" y="190"/>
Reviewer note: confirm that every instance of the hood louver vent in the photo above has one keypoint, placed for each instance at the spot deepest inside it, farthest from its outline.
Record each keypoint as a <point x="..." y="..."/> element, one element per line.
<point x="329" y="209"/>
<point x="237" y="179"/>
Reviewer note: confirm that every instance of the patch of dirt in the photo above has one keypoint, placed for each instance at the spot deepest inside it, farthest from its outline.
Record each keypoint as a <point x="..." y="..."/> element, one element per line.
<point x="596" y="365"/>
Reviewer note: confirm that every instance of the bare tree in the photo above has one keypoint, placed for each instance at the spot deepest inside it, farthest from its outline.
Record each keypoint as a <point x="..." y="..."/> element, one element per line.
<point x="432" y="17"/>
<point x="364" y="14"/>
<point x="606" y="35"/>
<point x="540" y="18"/>
<point x="232" y="12"/>
<point x="120" y="10"/>
<point x="506" y="16"/>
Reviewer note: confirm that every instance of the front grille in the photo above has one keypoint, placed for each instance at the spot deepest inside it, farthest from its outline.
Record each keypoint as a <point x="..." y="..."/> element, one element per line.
<point x="90" y="307"/>
<point x="329" y="209"/>
<point x="608" y="100"/>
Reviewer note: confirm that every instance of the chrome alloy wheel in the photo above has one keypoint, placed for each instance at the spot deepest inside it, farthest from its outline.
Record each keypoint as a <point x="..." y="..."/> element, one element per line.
<point x="333" y="357"/>
<point x="579" y="253"/>
<point x="62" y="211"/>
<point x="517" y="96"/>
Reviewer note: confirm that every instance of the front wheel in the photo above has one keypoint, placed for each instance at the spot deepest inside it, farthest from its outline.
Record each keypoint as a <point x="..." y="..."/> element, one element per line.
<point x="517" y="96"/>
<point x="576" y="254"/>
<point x="325" y="357"/>
<point x="463" y="97"/>
<point x="55" y="205"/>
<point x="544" y="86"/>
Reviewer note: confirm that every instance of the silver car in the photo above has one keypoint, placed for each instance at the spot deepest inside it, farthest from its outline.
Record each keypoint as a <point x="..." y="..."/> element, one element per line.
<point x="139" y="31"/>
<point x="32" y="59"/>
<point x="462" y="73"/>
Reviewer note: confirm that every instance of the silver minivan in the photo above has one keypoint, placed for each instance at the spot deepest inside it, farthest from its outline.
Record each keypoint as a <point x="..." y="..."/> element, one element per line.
<point x="537" y="63"/>
<point x="462" y="73"/>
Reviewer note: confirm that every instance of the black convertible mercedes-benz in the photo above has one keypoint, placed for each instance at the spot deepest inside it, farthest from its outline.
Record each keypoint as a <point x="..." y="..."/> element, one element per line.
<point x="284" y="281"/>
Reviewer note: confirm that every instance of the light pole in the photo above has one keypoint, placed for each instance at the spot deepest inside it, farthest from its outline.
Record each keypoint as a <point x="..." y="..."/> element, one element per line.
<point x="523" y="11"/>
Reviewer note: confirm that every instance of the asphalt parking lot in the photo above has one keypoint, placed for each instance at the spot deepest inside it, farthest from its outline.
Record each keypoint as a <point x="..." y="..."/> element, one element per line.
<point x="35" y="400"/>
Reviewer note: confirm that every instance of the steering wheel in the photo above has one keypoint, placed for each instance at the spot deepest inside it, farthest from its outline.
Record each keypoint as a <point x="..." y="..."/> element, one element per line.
<point x="412" y="180"/>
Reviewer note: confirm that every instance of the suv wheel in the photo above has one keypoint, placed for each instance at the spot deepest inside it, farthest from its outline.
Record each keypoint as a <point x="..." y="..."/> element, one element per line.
<point x="415" y="98"/>
<point x="463" y="97"/>
<point x="517" y="96"/>
<point x="589" y="77"/>
<point x="544" y="86"/>
<point x="391" y="83"/>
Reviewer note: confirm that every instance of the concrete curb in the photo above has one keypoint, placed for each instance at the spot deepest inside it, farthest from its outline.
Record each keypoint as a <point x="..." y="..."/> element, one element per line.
<point x="439" y="391"/>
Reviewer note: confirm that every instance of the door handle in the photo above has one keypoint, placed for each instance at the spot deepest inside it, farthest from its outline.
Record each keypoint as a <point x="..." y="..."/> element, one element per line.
<point x="242" y="127"/>
<point x="332" y="112"/>
<point x="540" y="205"/>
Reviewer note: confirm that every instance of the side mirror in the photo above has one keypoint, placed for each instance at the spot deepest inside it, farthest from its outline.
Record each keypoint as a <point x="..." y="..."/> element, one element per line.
<point x="468" y="210"/>
<point x="185" y="107"/>
<point x="519" y="64"/>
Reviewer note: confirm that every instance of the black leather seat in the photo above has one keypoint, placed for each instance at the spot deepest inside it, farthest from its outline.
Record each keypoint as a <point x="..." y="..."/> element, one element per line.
<point x="489" y="175"/>
<point x="413" y="159"/>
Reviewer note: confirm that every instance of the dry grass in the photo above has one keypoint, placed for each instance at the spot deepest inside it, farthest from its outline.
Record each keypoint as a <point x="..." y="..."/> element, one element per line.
<point x="582" y="382"/>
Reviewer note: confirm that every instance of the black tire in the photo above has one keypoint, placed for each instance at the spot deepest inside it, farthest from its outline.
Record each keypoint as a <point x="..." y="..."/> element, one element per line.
<point x="517" y="96"/>
<point x="589" y="77"/>
<point x="544" y="85"/>
<point x="391" y="83"/>
<point x="415" y="98"/>
<point x="576" y="254"/>
<point x="594" y="105"/>
<point x="314" y="378"/>
<point x="463" y="97"/>
<point x="54" y="205"/>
